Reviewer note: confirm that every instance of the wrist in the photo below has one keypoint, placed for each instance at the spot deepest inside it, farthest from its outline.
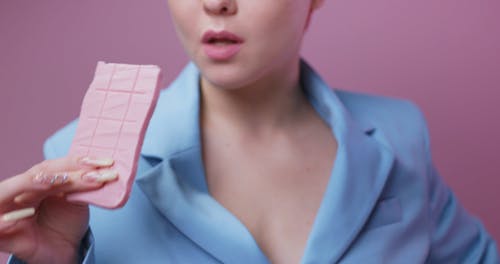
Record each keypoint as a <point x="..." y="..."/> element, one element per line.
<point x="63" y="255"/>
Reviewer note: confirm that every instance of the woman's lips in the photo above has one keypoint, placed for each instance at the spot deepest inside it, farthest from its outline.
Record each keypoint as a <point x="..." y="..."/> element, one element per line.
<point x="221" y="45"/>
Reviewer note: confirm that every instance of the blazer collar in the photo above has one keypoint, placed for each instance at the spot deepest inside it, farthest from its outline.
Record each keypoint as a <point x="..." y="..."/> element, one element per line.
<point x="177" y="185"/>
<point x="175" y="117"/>
<point x="182" y="109"/>
<point x="363" y="162"/>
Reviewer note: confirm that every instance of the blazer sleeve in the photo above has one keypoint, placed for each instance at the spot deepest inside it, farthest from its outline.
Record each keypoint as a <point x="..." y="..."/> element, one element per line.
<point x="456" y="236"/>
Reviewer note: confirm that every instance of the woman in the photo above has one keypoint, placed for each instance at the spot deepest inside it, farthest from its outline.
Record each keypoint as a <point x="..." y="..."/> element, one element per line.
<point x="251" y="158"/>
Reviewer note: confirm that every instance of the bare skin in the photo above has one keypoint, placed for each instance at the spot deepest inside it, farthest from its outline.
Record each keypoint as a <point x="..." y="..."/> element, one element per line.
<point x="267" y="154"/>
<point x="54" y="232"/>
<point x="268" y="161"/>
<point x="277" y="155"/>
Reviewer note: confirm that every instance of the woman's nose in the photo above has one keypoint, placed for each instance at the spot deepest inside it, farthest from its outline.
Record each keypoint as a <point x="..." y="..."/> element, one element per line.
<point x="220" y="7"/>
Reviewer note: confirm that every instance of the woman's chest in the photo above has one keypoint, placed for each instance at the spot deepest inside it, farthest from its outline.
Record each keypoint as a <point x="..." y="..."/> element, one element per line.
<point x="276" y="196"/>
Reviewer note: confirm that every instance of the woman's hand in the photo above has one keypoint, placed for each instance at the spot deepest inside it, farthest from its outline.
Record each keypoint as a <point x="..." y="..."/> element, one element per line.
<point x="37" y="224"/>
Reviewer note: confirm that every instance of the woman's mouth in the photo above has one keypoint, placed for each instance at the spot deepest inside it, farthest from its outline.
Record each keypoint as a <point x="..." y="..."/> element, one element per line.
<point x="221" y="45"/>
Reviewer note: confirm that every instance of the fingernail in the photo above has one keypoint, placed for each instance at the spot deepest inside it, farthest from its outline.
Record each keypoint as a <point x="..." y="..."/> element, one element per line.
<point x="100" y="176"/>
<point x="97" y="162"/>
<point x="20" y="199"/>
<point x="18" y="214"/>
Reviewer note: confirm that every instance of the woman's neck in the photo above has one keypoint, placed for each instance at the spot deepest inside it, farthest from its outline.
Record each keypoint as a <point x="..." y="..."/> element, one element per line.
<point x="270" y="104"/>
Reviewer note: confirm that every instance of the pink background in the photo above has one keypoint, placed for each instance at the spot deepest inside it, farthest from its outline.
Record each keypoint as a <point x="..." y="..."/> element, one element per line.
<point x="444" y="55"/>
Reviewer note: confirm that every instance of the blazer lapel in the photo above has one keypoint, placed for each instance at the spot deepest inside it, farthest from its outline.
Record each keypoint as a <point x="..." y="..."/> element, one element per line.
<point x="360" y="171"/>
<point x="176" y="185"/>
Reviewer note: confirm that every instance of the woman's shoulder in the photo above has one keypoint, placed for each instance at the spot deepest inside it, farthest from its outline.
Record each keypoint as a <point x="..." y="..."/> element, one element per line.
<point x="383" y="111"/>
<point x="400" y="121"/>
<point x="365" y="104"/>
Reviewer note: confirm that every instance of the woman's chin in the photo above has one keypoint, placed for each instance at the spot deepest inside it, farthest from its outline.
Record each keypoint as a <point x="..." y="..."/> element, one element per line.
<point x="227" y="78"/>
<point x="223" y="84"/>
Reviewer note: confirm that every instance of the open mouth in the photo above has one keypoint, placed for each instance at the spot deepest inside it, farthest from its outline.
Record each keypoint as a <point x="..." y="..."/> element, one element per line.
<point x="221" y="38"/>
<point x="215" y="41"/>
<point x="221" y="45"/>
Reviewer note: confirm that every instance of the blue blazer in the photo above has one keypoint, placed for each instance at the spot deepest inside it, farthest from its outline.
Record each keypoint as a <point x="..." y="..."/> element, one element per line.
<point x="384" y="203"/>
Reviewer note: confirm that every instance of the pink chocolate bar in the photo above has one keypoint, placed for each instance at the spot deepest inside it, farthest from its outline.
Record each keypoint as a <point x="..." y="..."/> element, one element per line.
<point x="113" y="120"/>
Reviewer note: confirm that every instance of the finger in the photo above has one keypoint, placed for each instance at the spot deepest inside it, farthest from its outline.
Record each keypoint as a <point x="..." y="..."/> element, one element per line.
<point x="41" y="175"/>
<point x="52" y="182"/>
<point x="16" y="185"/>
<point x="71" y="162"/>
<point x="28" y="183"/>
<point x="18" y="214"/>
<point x="52" y="179"/>
<point x="10" y="219"/>
<point x="96" y="162"/>
<point x="78" y="181"/>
